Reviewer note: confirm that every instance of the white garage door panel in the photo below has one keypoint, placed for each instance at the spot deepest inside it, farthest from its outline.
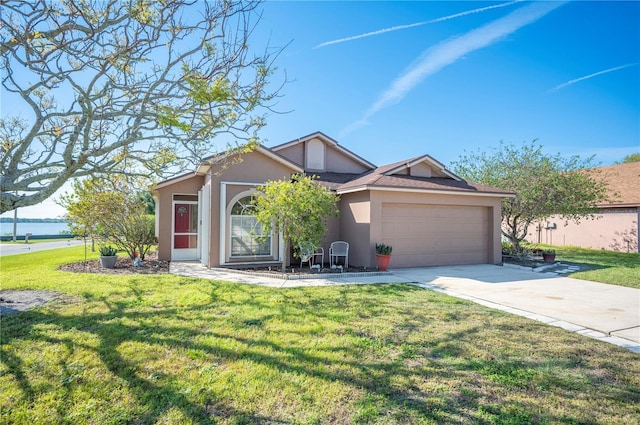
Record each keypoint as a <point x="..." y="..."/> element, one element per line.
<point x="423" y="235"/>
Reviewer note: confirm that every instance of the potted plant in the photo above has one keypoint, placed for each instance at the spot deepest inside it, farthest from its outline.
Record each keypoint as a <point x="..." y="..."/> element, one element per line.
<point x="383" y="255"/>
<point x="549" y="255"/>
<point x="108" y="257"/>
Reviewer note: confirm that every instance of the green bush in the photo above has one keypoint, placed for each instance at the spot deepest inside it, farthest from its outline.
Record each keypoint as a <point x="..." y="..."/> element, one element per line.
<point x="108" y="251"/>
<point x="383" y="249"/>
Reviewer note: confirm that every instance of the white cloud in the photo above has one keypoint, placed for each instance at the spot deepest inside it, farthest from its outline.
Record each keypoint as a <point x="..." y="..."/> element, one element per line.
<point x="417" y="24"/>
<point x="448" y="52"/>
<point x="586" y="77"/>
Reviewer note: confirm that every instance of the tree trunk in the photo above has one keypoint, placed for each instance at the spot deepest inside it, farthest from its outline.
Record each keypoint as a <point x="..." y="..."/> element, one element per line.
<point x="285" y="255"/>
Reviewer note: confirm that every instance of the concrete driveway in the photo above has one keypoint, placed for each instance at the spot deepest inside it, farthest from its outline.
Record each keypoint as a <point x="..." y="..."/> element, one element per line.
<point x="575" y="304"/>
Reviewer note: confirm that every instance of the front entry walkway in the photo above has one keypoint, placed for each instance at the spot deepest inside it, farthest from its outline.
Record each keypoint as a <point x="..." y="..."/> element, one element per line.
<point x="609" y="313"/>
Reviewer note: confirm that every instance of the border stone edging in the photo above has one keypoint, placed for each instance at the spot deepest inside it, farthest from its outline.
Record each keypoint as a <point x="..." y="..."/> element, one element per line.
<point x="303" y="276"/>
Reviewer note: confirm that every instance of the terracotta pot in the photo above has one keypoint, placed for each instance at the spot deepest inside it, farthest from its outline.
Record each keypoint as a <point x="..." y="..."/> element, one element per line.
<point x="382" y="262"/>
<point x="549" y="258"/>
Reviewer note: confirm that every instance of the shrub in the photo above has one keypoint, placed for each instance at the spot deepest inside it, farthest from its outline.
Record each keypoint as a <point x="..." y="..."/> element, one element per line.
<point x="108" y="251"/>
<point x="383" y="249"/>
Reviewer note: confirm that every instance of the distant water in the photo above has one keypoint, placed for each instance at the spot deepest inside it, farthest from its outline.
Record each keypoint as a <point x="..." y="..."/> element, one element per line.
<point x="33" y="228"/>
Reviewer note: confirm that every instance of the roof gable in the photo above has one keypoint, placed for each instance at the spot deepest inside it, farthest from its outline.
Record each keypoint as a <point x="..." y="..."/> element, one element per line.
<point x="214" y="160"/>
<point x="335" y="153"/>
<point x="422" y="166"/>
<point x="222" y="160"/>
<point x="420" y="174"/>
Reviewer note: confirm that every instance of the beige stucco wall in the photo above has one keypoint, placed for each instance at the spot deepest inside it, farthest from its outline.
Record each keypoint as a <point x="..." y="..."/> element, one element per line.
<point x="338" y="162"/>
<point x="378" y="198"/>
<point x="190" y="186"/>
<point x="294" y="153"/>
<point x="613" y="230"/>
<point x="355" y="226"/>
<point x="254" y="168"/>
<point x="421" y="170"/>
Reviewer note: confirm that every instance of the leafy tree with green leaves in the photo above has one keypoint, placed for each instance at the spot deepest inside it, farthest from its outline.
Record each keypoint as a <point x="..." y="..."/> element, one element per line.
<point x="544" y="185"/>
<point x="125" y="86"/>
<point x="150" y="203"/>
<point x="297" y="208"/>
<point x="633" y="157"/>
<point x="111" y="211"/>
<point x="86" y="205"/>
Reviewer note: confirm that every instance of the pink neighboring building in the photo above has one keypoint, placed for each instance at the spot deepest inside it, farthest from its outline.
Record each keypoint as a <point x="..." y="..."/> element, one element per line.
<point x="615" y="228"/>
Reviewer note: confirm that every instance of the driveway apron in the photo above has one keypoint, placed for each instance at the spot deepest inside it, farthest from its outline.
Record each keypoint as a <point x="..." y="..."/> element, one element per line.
<point x="610" y="309"/>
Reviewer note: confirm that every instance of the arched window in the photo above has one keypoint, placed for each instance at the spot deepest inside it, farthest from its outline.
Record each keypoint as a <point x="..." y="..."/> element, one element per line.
<point x="248" y="237"/>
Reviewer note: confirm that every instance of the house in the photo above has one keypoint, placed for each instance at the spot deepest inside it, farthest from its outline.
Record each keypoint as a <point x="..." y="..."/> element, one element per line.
<point x="615" y="226"/>
<point x="428" y="214"/>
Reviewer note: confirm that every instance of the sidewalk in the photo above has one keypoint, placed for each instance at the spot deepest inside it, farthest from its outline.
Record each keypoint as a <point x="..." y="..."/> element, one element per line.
<point x="609" y="313"/>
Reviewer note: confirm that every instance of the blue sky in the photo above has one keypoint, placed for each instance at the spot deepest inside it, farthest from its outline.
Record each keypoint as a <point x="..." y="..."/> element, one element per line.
<point x="395" y="80"/>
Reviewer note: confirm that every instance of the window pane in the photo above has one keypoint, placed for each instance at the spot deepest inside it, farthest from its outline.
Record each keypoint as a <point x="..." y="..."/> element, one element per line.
<point x="246" y="238"/>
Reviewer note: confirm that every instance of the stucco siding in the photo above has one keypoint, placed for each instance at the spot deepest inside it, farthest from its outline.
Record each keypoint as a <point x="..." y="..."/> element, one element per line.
<point x="294" y="153"/>
<point x="420" y="170"/>
<point x="189" y="186"/>
<point x="355" y="227"/>
<point x="338" y="162"/>
<point x="614" y="229"/>
<point x="255" y="168"/>
<point x="242" y="177"/>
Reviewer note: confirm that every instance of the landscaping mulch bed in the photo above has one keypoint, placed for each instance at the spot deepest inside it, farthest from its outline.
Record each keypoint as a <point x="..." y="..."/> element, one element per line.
<point x="535" y="262"/>
<point x="124" y="265"/>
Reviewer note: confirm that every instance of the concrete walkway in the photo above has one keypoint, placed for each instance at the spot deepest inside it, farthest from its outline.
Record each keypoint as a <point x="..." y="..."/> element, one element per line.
<point x="25" y="248"/>
<point x="606" y="312"/>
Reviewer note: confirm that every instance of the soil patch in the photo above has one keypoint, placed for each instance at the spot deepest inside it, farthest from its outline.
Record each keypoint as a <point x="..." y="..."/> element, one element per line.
<point x="14" y="301"/>
<point x="124" y="265"/>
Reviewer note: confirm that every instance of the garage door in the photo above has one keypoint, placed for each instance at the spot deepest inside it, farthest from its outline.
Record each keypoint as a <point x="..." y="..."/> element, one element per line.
<point x="429" y="235"/>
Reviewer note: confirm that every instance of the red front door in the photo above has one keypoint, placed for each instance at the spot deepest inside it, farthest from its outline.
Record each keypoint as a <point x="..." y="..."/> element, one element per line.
<point x="183" y="215"/>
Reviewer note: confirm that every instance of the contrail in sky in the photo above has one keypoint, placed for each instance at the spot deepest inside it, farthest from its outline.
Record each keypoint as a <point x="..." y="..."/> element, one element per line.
<point x="449" y="51"/>
<point x="402" y="27"/>
<point x="586" y="77"/>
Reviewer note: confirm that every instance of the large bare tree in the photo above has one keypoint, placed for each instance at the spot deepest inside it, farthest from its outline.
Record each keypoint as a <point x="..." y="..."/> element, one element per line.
<point x="128" y="86"/>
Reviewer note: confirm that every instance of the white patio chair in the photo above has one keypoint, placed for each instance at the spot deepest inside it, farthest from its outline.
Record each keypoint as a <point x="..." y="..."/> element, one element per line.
<point x="309" y="252"/>
<point x="339" y="249"/>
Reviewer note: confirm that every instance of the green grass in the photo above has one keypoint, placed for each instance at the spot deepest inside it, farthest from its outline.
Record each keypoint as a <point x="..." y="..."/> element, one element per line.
<point x="617" y="268"/>
<point x="175" y="350"/>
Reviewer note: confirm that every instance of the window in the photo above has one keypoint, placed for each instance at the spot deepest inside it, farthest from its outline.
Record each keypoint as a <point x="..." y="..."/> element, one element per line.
<point x="315" y="155"/>
<point x="248" y="237"/>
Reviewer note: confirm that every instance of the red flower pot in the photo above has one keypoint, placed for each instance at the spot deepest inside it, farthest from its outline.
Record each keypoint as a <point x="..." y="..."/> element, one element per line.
<point x="382" y="262"/>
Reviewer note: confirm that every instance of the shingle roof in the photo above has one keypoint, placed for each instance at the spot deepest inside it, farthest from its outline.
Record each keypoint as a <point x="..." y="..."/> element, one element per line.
<point x="334" y="180"/>
<point x="377" y="179"/>
<point x="623" y="181"/>
<point x="343" y="182"/>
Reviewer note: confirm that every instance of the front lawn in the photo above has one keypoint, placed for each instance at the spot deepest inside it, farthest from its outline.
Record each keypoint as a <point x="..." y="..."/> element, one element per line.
<point x="617" y="268"/>
<point x="165" y="349"/>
